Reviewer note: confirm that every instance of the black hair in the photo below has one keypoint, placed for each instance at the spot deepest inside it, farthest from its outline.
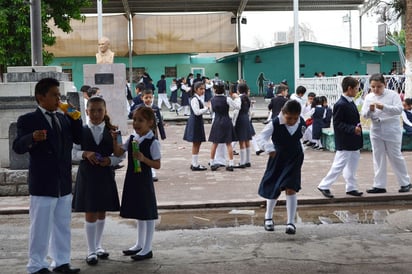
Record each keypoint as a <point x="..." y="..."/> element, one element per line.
<point x="300" y="90"/>
<point x="311" y="94"/>
<point x="316" y="101"/>
<point x="147" y="91"/>
<point x="84" y="88"/>
<point x="349" y="82"/>
<point x="377" y="77"/>
<point x="219" y="87"/>
<point x="243" y="88"/>
<point x="92" y="91"/>
<point x="291" y="107"/>
<point x="322" y="99"/>
<point x="44" y="85"/>
<point x="141" y="86"/>
<point x="408" y="101"/>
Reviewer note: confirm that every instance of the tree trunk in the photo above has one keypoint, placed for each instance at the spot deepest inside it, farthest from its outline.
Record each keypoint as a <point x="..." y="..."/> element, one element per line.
<point x="408" y="49"/>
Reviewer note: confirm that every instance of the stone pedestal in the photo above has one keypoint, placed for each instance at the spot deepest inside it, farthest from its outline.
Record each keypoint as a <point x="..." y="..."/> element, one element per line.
<point x="17" y="98"/>
<point x="111" y="80"/>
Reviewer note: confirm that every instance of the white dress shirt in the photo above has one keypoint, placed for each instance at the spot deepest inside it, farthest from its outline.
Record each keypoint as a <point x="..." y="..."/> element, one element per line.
<point x="97" y="132"/>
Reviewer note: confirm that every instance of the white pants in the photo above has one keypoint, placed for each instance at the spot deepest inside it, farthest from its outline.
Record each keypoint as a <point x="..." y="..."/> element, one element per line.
<point x="50" y="221"/>
<point x="162" y="97"/>
<point x="382" y="149"/>
<point x="345" y="162"/>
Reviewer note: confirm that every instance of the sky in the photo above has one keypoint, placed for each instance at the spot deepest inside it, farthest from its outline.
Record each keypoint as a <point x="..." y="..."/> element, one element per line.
<point x="328" y="27"/>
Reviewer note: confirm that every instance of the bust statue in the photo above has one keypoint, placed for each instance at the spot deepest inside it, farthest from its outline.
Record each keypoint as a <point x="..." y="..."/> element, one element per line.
<point x="105" y="55"/>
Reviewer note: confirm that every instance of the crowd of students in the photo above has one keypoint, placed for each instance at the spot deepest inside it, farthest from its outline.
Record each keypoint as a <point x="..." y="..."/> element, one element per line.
<point x="48" y="135"/>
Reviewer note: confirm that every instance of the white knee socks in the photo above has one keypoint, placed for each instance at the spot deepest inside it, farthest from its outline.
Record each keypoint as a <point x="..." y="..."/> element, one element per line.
<point x="270" y="206"/>
<point x="91" y="237"/>
<point x="99" y="232"/>
<point x="291" y="205"/>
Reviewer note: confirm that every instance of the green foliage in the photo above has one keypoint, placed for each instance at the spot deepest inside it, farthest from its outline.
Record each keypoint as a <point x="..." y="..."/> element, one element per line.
<point x="15" y="42"/>
<point x="399" y="37"/>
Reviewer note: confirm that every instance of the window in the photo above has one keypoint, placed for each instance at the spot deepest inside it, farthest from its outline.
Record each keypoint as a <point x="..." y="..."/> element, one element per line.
<point x="171" y="72"/>
<point x="69" y="73"/>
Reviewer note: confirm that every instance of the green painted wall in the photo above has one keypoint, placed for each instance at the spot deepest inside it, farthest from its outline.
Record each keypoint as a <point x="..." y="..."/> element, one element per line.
<point x="277" y="63"/>
<point x="154" y="65"/>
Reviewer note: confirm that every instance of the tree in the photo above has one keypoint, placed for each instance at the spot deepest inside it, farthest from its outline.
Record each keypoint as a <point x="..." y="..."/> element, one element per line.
<point x="15" y="39"/>
<point x="395" y="10"/>
<point x="305" y="33"/>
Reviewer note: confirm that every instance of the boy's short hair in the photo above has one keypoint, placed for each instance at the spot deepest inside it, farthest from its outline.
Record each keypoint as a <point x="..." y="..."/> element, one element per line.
<point x="408" y="101"/>
<point x="311" y="94"/>
<point x="349" y="82"/>
<point x="43" y="86"/>
<point x="147" y="91"/>
<point x="300" y="90"/>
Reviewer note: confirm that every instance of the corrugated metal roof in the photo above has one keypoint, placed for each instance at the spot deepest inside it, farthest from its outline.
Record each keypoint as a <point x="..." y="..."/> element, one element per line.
<point x="235" y="6"/>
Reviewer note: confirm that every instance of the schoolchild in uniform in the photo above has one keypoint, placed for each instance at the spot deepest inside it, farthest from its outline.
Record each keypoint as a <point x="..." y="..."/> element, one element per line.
<point x="195" y="130"/>
<point x="173" y="96"/>
<point x="277" y="102"/>
<point x="384" y="107"/>
<point x="48" y="136"/>
<point x="158" y="129"/>
<point x="139" y="198"/>
<point x="407" y="116"/>
<point x="243" y="126"/>
<point x="186" y="94"/>
<point x="161" y="93"/>
<point x="306" y="113"/>
<point x="317" y="124"/>
<point x="137" y="100"/>
<point x="222" y="130"/>
<point x="281" y="140"/>
<point x="208" y="89"/>
<point x="95" y="190"/>
<point x="348" y="141"/>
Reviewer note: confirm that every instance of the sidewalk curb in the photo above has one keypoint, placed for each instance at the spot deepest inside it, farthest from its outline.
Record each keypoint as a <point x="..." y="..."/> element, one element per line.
<point x="404" y="198"/>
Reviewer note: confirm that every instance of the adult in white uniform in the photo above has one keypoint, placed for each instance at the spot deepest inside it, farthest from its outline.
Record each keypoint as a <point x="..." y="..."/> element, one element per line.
<point x="384" y="107"/>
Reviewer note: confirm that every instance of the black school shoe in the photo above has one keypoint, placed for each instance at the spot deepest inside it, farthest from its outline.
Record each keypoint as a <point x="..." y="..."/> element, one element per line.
<point x="42" y="271"/>
<point x="376" y="190"/>
<point x="92" y="259"/>
<point x="405" y="188"/>
<point x="138" y="257"/>
<point x="66" y="268"/>
<point x="270" y="226"/>
<point x="229" y="168"/>
<point x="198" y="168"/>
<point x="290" y="229"/>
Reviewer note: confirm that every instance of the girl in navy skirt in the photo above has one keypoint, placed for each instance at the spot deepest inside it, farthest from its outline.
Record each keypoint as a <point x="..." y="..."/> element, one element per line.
<point x="243" y="126"/>
<point x="195" y="129"/>
<point x="222" y="130"/>
<point x="283" y="170"/>
<point x="173" y="96"/>
<point x="139" y="198"/>
<point x="186" y="93"/>
<point x="95" y="191"/>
